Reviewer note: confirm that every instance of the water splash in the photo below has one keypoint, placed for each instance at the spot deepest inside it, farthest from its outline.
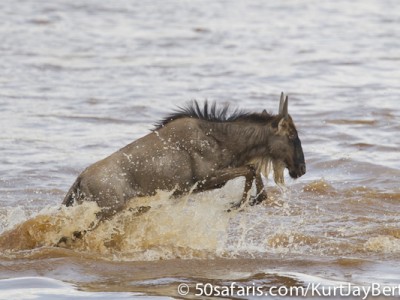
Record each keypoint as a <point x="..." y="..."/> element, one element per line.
<point x="150" y="228"/>
<point x="199" y="226"/>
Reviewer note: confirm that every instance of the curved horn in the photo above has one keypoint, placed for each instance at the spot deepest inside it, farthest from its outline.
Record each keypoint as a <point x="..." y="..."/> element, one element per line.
<point x="285" y="108"/>
<point x="281" y="103"/>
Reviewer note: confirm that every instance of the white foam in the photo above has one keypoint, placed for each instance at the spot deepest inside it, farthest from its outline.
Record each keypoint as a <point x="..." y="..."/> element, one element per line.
<point x="383" y="244"/>
<point x="306" y="278"/>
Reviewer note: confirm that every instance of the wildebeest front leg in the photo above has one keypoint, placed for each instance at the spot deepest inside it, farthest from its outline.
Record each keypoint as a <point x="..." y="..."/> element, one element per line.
<point x="261" y="192"/>
<point x="219" y="178"/>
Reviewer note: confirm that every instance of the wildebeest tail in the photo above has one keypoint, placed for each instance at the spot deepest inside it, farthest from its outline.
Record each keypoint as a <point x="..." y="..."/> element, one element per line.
<point x="73" y="193"/>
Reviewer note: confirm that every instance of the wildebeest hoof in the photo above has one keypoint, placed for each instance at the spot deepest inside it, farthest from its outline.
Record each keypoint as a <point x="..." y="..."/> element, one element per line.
<point x="137" y="211"/>
<point x="258" y="199"/>
<point x="235" y="206"/>
<point x="78" y="234"/>
<point x="253" y="201"/>
<point x="64" y="241"/>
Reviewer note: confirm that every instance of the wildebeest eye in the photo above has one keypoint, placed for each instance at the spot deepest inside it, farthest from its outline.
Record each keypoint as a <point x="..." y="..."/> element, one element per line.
<point x="292" y="136"/>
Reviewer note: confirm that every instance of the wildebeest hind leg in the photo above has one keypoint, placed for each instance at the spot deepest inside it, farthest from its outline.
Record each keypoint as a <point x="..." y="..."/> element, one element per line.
<point x="106" y="213"/>
<point x="223" y="176"/>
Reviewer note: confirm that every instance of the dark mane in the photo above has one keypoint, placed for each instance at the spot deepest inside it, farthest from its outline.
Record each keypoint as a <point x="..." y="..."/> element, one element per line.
<point x="212" y="113"/>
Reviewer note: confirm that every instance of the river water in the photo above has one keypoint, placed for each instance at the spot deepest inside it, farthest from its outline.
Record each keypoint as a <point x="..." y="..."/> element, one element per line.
<point x="79" y="80"/>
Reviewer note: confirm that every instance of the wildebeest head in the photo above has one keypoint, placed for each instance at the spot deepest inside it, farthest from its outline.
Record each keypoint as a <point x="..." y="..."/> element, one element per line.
<point x="285" y="145"/>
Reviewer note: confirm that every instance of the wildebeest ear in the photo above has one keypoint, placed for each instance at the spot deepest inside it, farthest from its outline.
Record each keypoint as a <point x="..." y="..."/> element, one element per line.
<point x="282" y="126"/>
<point x="264" y="113"/>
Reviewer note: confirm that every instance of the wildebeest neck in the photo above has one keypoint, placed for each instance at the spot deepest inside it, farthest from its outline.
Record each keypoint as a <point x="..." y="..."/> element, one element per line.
<point x="244" y="140"/>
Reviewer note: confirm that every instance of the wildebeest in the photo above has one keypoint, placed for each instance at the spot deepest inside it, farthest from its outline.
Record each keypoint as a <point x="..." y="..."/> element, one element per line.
<point x="195" y="149"/>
